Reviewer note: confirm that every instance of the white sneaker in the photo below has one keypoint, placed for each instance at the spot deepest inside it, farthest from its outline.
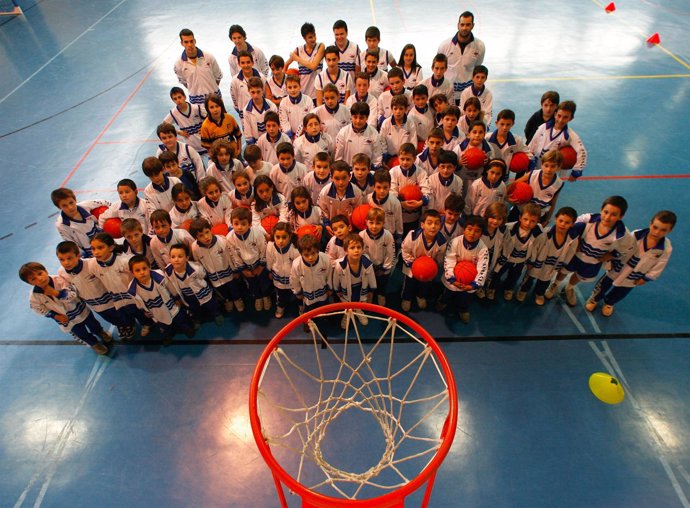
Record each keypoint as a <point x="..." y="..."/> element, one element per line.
<point x="421" y="303"/>
<point x="145" y="330"/>
<point x="280" y="312"/>
<point x="239" y="305"/>
<point x="508" y="295"/>
<point x="590" y="304"/>
<point x="267" y="303"/>
<point x="607" y="310"/>
<point x="228" y="306"/>
<point x="259" y="304"/>
<point x="381" y="300"/>
<point x="551" y="291"/>
<point x="406" y="305"/>
<point x="570" y="296"/>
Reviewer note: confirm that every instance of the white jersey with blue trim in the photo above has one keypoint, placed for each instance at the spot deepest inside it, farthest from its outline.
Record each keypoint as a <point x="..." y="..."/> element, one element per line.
<point x="159" y="197"/>
<point x="215" y="258"/>
<point x="371" y="101"/>
<point x="481" y="194"/>
<point x="238" y="199"/>
<point x="551" y="255"/>
<point x="378" y="82"/>
<point x="315" y="185"/>
<point x="199" y="78"/>
<point x="462" y="59"/>
<point x="519" y="246"/>
<point x="145" y="250"/>
<point x="311" y="281"/>
<point x="594" y="245"/>
<point x="343" y="82"/>
<point x="435" y="87"/>
<point x="278" y="90"/>
<point x="512" y="145"/>
<point x="307" y="77"/>
<point x="335" y="249"/>
<point x="82" y="230"/>
<point x="332" y="204"/>
<point x="466" y="173"/>
<point x="312" y="216"/>
<point x="393" y="210"/>
<point x="306" y="147"/>
<point x="494" y="242"/>
<point x="239" y="91"/>
<point x="380" y="249"/>
<point x="453" y="230"/>
<point x="386" y="58"/>
<point x="548" y="138"/>
<point x="114" y="274"/>
<point x="415" y="245"/>
<point x="187" y="158"/>
<point x="292" y="111"/>
<point x="253" y="124"/>
<point x="440" y="188"/>
<point x="121" y="211"/>
<point x="189" y="123"/>
<point x="268" y="145"/>
<point x="161" y="246"/>
<point x="179" y="216"/>
<point x="216" y="213"/>
<point x="191" y="284"/>
<point x="87" y="285"/>
<point x="224" y="174"/>
<point x="424" y="121"/>
<point x="412" y="78"/>
<point x="333" y="120"/>
<point x="394" y="134"/>
<point x="353" y="286"/>
<point x="260" y="62"/>
<point x="66" y="303"/>
<point x="248" y="250"/>
<point x="543" y="194"/>
<point x="486" y="101"/>
<point x="461" y="250"/>
<point x="279" y="262"/>
<point x="349" y="143"/>
<point x="384" y="104"/>
<point x="645" y="263"/>
<point x="413" y="176"/>
<point x="277" y="207"/>
<point x="286" y="179"/>
<point x="425" y="163"/>
<point x="157" y="298"/>
<point x="349" y="58"/>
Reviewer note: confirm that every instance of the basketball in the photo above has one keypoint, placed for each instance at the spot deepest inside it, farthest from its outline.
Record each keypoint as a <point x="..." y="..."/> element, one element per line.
<point x="112" y="227"/>
<point x="96" y="212"/>
<point x="359" y="217"/>
<point x="220" y="229"/>
<point x="465" y="272"/>
<point x="185" y="225"/>
<point x="474" y="157"/>
<point x="292" y="70"/>
<point x="410" y="193"/>
<point x="268" y="222"/>
<point x="520" y="192"/>
<point x="569" y="157"/>
<point x="308" y="229"/>
<point x="424" y="269"/>
<point x="519" y="162"/>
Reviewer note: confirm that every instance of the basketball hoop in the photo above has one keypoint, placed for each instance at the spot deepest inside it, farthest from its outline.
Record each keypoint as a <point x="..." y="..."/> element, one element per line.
<point x="385" y="367"/>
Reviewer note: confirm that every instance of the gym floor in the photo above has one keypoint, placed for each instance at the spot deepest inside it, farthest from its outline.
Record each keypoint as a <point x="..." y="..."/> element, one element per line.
<point x="82" y="88"/>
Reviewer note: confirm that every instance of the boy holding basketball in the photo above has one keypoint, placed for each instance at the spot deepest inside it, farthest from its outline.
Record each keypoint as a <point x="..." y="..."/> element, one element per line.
<point x="381" y="198"/>
<point x="546" y="187"/>
<point x="339" y="196"/>
<point x="75" y="222"/>
<point x="404" y="177"/>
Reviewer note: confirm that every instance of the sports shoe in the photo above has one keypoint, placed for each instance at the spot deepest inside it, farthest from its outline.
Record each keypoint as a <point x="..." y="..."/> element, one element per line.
<point x="99" y="348"/>
<point x="570" y="296"/>
<point x="259" y="304"/>
<point x="267" y="303"/>
<point x="490" y="294"/>
<point x="481" y="293"/>
<point x="381" y="300"/>
<point x="105" y="336"/>
<point x="239" y="305"/>
<point x="508" y="295"/>
<point x="539" y="300"/>
<point x="280" y="312"/>
<point x="421" y="303"/>
<point x="228" y="306"/>
<point x="590" y="304"/>
<point x="364" y="321"/>
<point x="607" y="310"/>
<point x="520" y="296"/>
<point x="145" y="330"/>
<point x="551" y="291"/>
<point x="219" y="320"/>
<point x="464" y="317"/>
<point x="406" y="305"/>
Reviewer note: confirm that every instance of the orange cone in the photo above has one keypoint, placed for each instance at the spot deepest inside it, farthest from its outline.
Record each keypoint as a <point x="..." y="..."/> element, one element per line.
<point x="610" y="8"/>
<point x="654" y="39"/>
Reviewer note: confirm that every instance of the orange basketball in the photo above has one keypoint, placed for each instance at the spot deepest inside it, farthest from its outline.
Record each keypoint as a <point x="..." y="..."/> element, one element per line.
<point x="519" y="162"/>
<point x="112" y="227"/>
<point x="520" y="192"/>
<point x="569" y="156"/>
<point x="359" y="217"/>
<point x="268" y="222"/>
<point x="96" y="212"/>
<point x="308" y="229"/>
<point x="410" y="193"/>
<point x="475" y="157"/>
<point x="220" y="229"/>
<point x="185" y="225"/>
<point x="292" y="70"/>
<point x="465" y="272"/>
<point x="424" y="269"/>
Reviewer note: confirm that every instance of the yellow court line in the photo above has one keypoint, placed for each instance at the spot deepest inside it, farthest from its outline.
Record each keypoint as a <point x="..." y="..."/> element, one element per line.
<point x="373" y="12"/>
<point x="669" y="53"/>
<point x="588" y="78"/>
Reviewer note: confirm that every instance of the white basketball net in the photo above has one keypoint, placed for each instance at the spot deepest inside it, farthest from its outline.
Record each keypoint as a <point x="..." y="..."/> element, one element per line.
<point x="408" y="400"/>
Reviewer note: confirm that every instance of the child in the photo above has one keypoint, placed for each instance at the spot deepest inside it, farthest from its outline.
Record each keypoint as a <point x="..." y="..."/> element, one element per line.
<point x="549" y="101"/>
<point x="412" y="71"/>
<point x="254" y="113"/>
<point x="253" y="157"/>
<point x="372" y="36"/>
<point x="340" y="225"/>
<point x="293" y="108"/>
<point x="444" y="182"/>
<point x="468" y="247"/>
<point x="408" y="174"/>
<point x="397" y="130"/>
<point x="453" y="220"/>
<point x="239" y="38"/>
<point x="545" y="184"/>
<point x="427" y="160"/>
<point x="425" y="241"/>
<point x="339" y="196"/>
<point x="332" y="74"/>
<point x="75" y="221"/>
<point x="211" y="251"/>
<point x="313" y="141"/>
<point x="332" y="115"/>
<point x="362" y="95"/>
<point x="652" y="252"/>
<point x="378" y="77"/>
<point x="310" y="275"/>
<point x="504" y="143"/>
<point x="185" y="209"/>
<point x="172" y="168"/>
<point x="268" y="141"/>
<point x="112" y="269"/>
<point x="280" y="255"/>
<point x="267" y="201"/>
<point x="165" y="237"/>
<point x="187" y="157"/>
<point x="452" y="135"/>
<point x="319" y="177"/>
<point x="239" y="86"/>
<point x="439" y="105"/>
<point x="275" y="88"/>
<point x="302" y="211"/>
<point x="437" y="83"/>
<point x="472" y="112"/>
<point x="379" y="247"/>
<point x="219" y="125"/>
<point x="215" y="206"/>
<point x="602" y="236"/>
<point x="128" y="207"/>
<point x="362" y="177"/>
<point x="555" y="134"/>
<point x="135" y="240"/>
<point x="391" y="207"/>
<point x="397" y="87"/>
<point x="421" y="115"/>
<point x="156" y="296"/>
<point x="54" y="298"/>
<point x="494" y="230"/>
<point x="309" y="58"/>
<point x="189" y="280"/>
<point x="488" y="189"/>
<point x="359" y="137"/>
<point x="288" y="173"/>
<point x="188" y="118"/>
<point x="521" y="241"/>
<point x="478" y="89"/>
<point x="353" y="276"/>
<point x="242" y="194"/>
<point x="556" y="251"/>
<point x="475" y="139"/>
<point x="159" y="192"/>
<point x="247" y="247"/>
<point x="349" y="53"/>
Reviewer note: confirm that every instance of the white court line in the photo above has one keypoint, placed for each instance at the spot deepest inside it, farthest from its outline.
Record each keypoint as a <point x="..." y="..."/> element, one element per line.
<point x="572" y="317"/>
<point x="61" y="52"/>
<point x="590" y="315"/>
<point x="684" y="473"/>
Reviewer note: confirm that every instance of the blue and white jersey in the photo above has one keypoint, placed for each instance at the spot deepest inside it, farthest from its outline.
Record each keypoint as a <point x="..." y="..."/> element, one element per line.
<point x="384" y="104"/>
<point x="453" y="139"/>
<point x="225" y="173"/>
<point x="342" y="81"/>
<point x="481" y="194"/>
<point x="512" y="145"/>
<point x="335" y="249"/>
<point x="394" y="135"/>
<point x="145" y="250"/>
<point x="519" y="246"/>
<point x="157" y="298"/>
<point x="279" y="262"/>
<point x="216" y="212"/>
<point x="494" y="242"/>
<point x="595" y="243"/>
<point x="553" y="255"/>
<point x="268" y="145"/>
<point x="215" y="258"/>
<point x="371" y="101"/>
<point x="440" y="188"/>
<point x="350" y="142"/>
<point x="462" y="61"/>
<point x="412" y="78"/>
<point x="115" y="276"/>
<point x="461" y="250"/>
<point x="548" y="138"/>
<point x="159" y="197"/>
<point x="332" y="120"/>
<point x="189" y="123"/>
<point x="310" y="217"/>
<point x="187" y="158"/>
<point x="438" y="86"/>
<point x="425" y="163"/>
<point x="645" y="263"/>
<point x="416" y="245"/>
<point x="253" y="124"/>
<point x="543" y="194"/>
<point x="401" y="178"/>
<point x="83" y="229"/>
<point x="306" y="147"/>
<point x="349" y="58"/>
<point x="286" y="179"/>
<point x="199" y="78"/>
<point x="66" y="303"/>
<point x="451" y="231"/>
<point x="466" y="173"/>
<point x="191" y="284"/>
<point x="238" y="199"/>
<point x="87" y="285"/>
<point x="350" y="285"/>
<point x="393" y="210"/>
<point x="424" y="121"/>
<point x="486" y="101"/>
<point x="161" y="246"/>
<point x="118" y="209"/>
<point x="380" y="249"/>
<point x="311" y="281"/>
<point x="366" y="186"/>
<point x="247" y="250"/>
<point x="332" y="204"/>
<point x="278" y="90"/>
<point x="260" y="62"/>
<point x="179" y="216"/>
<point x="261" y="209"/>
<point x="378" y="82"/>
<point x="291" y="112"/>
<point x="315" y="185"/>
<point x="239" y="91"/>
<point x="386" y="58"/>
<point x="307" y="77"/>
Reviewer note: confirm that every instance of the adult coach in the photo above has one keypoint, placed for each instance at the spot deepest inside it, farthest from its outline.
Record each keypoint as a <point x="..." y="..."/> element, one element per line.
<point x="197" y="71"/>
<point x="464" y="52"/>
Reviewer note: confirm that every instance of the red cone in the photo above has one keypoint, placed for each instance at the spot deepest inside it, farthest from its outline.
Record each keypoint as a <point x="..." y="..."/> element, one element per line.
<point x="610" y="8"/>
<point x="654" y="39"/>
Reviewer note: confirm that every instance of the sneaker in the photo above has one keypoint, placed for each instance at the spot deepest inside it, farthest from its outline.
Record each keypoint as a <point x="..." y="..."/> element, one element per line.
<point x="607" y="310"/>
<point x="364" y="321"/>
<point x="100" y="349"/>
<point x="239" y="305"/>
<point x="267" y="303"/>
<point x="259" y="304"/>
<point x="145" y="330"/>
<point x="521" y="295"/>
<point x="280" y="312"/>
<point x="126" y="333"/>
<point x="228" y="306"/>
<point x="421" y="303"/>
<point x="508" y="295"/>
<point x="490" y="294"/>
<point x="570" y="296"/>
<point x="539" y="300"/>
<point x="106" y="336"/>
<point x="381" y="300"/>
<point x="551" y="291"/>
<point x="481" y="293"/>
<point x="464" y="317"/>
<point x="219" y="320"/>
<point x="406" y="305"/>
<point x="590" y="304"/>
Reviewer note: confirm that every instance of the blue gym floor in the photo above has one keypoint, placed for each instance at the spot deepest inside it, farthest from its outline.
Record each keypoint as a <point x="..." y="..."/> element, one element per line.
<point x="83" y="86"/>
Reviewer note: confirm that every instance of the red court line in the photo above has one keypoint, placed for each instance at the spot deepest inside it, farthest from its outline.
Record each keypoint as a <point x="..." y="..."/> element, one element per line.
<point x="632" y="177"/>
<point x="128" y="142"/>
<point x="105" y="129"/>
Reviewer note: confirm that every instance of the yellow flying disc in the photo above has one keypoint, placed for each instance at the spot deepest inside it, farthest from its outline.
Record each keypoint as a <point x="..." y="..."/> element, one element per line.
<point x="606" y="388"/>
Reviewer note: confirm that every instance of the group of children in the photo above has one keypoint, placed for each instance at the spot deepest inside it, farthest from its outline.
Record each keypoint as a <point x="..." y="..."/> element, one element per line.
<point x="275" y="221"/>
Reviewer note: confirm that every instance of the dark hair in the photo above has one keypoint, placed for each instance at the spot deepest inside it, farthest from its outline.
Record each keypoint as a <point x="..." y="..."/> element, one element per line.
<point x="136" y="259"/>
<point x="330" y="88"/>
<point x="245" y="54"/>
<point x="285" y="147"/>
<point x="62" y="193"/>
<point x="408" y="149"/>
<point x="474" y="220"/>
<point x="306" y="29"/>
<point x="197" y="226"/>
<point x="567" y="210"/>
<point x="166" y="128"/>
<point x="282" y="226"/>
<point x="362" y="75"/>
<point x="396" y="72"/>
<point x="255" y="82"/>
<point x="448" y="157"/>
<point x="186" y="32"/>
<point x="551" y="95"/>
<point x="665" y="217"/>
<point x="166" y="157"/>
<point x="495" y="208"/>
<point x="477" y="123"/>
<point x="241" y="213"/>
<point x="567" y="106"/>
<point x="497" y="163"/>
<point x="617" y="201"/>
<point x="430" y="213"/>
<point x="435" y="133"/>
<point x="440" y="57"/>
<point x="340" y="24"/>
<point x="216" y="147"/>
<point x="152" y="166"/>
<point x="108" y="240"/>
<point x="420" y="90"/>
<point x="480" y="69"/>
<point x="372" y="33"/>
<point x="454" y="202"/>
<point x="217" y="101"/>
<point x="400" y="101"/>
<point x="340" y="166"/>
<point x="467" y="14"/>
<point x="415" y="65"/>
<point x="176" y="89"/>
<point x="359" y="108"/>
<point x="127" y="182"/>
<point x="361" y="158"/>
<point x="352" y="237"/>
<point x="181" y="246"/>
<point x="382" y="176"/>
<point x="252" y="153"/>
<point x="322" y="157"/>
<point x="372" y="52"/>
<point x="532" y="209"/>
<point x="130" y="224"/>
<point x="236" y="29"/>
<point x="332" y="50"/>
<point x="206" y="182"/>
<point x="67" y="247"/>
<point x="340" y="218"/>
<point x="307" y="243"/>
<point x="30" y="268"/>
<point x="276" y="61"/>
<point x="160" y="216"/>
<point x="506" y="114"/>
<point x="452" y="111"/>
<point x="271" y="116"/>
